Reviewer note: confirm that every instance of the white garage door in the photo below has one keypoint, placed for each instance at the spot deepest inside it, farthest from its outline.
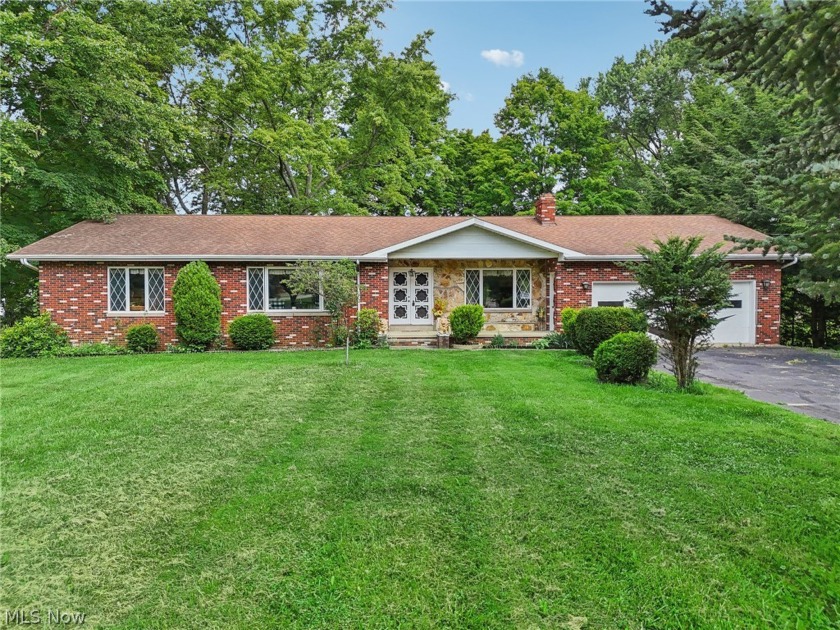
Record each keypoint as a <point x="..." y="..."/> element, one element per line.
<point x="738" y="325"/>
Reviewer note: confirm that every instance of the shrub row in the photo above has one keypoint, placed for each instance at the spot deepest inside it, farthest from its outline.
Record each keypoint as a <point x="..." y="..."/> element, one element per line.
<point x="41" y="337"/>
<point x="615" y="338"/>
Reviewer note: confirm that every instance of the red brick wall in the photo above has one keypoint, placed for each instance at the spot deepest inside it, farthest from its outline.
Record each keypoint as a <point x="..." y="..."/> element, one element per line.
<point x="374" y="290"/>
<point x="569" y="292"/>
<point x="76" y="296"/>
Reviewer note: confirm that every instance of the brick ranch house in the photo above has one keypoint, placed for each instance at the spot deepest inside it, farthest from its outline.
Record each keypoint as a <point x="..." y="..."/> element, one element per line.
<point x="96" y="279"/>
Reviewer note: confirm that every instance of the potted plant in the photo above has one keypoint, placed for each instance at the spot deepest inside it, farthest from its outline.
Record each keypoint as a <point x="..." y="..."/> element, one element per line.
<point x="466" y="322"/>
<point x="439" y="308"/>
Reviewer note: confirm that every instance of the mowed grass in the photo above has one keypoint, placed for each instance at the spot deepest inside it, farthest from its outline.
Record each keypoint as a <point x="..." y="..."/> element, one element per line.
<point x="471" y="489"/>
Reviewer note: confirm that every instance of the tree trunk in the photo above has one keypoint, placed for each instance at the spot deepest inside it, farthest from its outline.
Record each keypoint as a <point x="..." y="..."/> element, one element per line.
<point x="347" y="349"/>
<point x="818" y="323"/>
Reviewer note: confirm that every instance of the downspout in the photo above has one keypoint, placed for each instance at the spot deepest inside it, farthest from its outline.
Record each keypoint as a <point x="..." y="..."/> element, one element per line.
<point x="790" y="264"/>
<point x="551" y="301"/>
<point x="358" y="287"/>
<point x="25" y="262"/>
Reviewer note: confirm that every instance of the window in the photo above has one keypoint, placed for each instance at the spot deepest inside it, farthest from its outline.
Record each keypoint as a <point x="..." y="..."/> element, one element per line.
<point x="499" y="288"/>
<point x="135" y="290"/>
<point x="268" y="290"/>
<point x="610" y="302"/>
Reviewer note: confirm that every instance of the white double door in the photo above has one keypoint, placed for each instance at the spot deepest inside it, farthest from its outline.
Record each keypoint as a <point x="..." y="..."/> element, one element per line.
<point x="411" y="296"/>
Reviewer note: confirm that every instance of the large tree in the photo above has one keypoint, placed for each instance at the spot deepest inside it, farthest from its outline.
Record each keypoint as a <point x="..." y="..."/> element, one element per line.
<point x="557" y="139"/>
<point x="793" y="49"/>
<point x="80" y="110"/>
<point x="296" y="109"/>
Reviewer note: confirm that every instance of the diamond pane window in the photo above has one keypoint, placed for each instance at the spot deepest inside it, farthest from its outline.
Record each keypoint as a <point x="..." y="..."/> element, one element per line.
<point x="116" y="290"/>
<point x="523" y="288"/>
<point x="256" y="288"/>
<point x="473" y="286"/>
<point x="137" y="289"/>
<point x="155" y="289"/>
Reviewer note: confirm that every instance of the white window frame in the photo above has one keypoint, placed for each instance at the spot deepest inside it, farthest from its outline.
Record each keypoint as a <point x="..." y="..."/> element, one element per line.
<point x="514" y="271"/>
<point x="265" y="272"/>
<point x="128" y="312"/>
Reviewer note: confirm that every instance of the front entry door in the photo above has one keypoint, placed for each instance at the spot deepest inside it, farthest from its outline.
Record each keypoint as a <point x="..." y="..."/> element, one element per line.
<point x="411" y="296"/>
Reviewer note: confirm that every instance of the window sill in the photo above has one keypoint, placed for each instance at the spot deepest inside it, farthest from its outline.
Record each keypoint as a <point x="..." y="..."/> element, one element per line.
<point x="134" y="313"/>
<point x="508" y="310"/>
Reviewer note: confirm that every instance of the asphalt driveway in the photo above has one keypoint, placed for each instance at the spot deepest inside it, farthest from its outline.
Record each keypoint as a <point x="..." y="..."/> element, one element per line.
<point x="802" y="380"/>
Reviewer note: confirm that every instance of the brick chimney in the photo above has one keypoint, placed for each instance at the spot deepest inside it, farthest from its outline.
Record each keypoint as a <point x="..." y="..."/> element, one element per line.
<point x="545" y="209"/>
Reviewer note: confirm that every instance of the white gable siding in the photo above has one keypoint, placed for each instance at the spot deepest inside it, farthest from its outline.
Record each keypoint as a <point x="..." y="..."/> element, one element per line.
<point x="472" y="243"/>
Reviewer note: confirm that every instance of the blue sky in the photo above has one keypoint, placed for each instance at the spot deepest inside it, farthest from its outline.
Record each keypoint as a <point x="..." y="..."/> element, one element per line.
<point x="572" y="39"/>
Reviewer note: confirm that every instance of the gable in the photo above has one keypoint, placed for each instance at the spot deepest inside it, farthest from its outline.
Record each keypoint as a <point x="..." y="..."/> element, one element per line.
<point x="472" y="242"/>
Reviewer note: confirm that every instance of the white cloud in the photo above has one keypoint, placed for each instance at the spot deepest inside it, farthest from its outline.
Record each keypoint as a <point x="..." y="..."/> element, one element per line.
<point x="468" y="96"/>
<point x="445" y="85"/>
<point x="506" y="58"/>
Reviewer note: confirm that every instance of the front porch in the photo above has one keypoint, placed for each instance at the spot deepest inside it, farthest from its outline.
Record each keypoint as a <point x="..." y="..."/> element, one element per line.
<point x="423" y="292"/>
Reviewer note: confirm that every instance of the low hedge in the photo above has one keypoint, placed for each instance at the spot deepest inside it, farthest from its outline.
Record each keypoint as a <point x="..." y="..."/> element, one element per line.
<point x="367" y="328"/>
<point x="31" y="337"/>
<point x="252" y="332"/>
<point x="568" y="316"/>
<point x="625" y="358"/>
<point x="593" y="326"/>
<point x="466" y="322"/>
<point x="142" y="338"/>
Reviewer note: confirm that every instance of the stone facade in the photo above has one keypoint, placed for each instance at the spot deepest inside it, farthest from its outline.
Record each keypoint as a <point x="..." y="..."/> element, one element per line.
<point x="450" y="286"/>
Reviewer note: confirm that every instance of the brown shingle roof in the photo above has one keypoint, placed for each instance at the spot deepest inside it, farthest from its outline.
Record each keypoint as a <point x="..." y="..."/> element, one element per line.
<point x="248" y="236"/>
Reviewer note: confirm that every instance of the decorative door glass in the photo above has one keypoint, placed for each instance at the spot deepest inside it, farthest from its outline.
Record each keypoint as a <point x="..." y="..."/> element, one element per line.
<point x="411" y="296"/>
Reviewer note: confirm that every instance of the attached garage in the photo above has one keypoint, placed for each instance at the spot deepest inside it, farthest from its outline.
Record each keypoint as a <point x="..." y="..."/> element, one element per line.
<point x="739" y="321"/>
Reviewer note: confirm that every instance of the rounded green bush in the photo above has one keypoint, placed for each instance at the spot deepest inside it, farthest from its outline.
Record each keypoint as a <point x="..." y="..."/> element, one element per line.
<point x="197" y="302"/>
<point x="592" y="326"/>
<point x="367" y="327"/>
<point x="466" y="322"/>
<point x="252" y="332"/>
<point x="142" y="338"/>
<point x="625" y="358"/>
<point x="568" y="316"/>
<point x="32" y="337"/>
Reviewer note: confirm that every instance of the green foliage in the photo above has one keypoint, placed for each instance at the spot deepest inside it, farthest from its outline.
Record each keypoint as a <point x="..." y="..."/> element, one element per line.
<point x="783" y="48"/>
<point x="625" y="358"/>
<point x="252" y="332"/>
<point x="557" y="140"/>
<point x="197" y="302"/>
<point x="466" y="321"/>
<point x="31" y="337"/>
<point x="305" y="113"/>
<point x="335" y="282"/>
<point x="681" y="288"/>
<point x="142" y="338"/>
<point x="338" y="335"/>
<point x="595" y="325"/>
<point x="87" y="350"/>
<point x="559" y="340"/>
<point x="367" y="328"/>
<point x="498" y="341"/>
<point x="567" y="317"/>
<point x="543" y="343"/>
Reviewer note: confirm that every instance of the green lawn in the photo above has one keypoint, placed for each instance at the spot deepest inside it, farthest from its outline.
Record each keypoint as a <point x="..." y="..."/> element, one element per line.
<point x="413" y="488"/>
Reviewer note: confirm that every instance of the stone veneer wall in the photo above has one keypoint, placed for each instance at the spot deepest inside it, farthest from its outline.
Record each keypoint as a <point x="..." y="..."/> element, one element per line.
<point x="75" y="294"/>
<point x="449" y="285"/>
<point x="570" y="293"/>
